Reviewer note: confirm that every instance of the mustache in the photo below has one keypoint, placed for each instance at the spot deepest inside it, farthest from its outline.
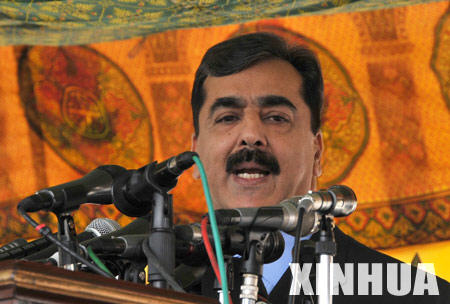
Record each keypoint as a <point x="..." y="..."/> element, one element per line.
<point x="262" y="158"/>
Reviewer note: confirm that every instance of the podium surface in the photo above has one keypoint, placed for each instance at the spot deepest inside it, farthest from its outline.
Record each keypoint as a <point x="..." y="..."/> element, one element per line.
<point x="29" y="282"/>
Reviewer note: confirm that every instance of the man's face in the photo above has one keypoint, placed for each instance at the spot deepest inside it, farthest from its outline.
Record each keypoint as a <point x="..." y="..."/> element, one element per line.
<point x="258" y="109"/>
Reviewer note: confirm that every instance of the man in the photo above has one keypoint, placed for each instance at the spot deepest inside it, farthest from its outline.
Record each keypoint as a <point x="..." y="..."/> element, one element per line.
<point x="256" y="106"/>
<point x="254" y="103"/>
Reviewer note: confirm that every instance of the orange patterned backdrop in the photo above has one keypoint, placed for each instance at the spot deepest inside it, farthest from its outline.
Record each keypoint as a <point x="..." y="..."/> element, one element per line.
<point x="67" y="110"/>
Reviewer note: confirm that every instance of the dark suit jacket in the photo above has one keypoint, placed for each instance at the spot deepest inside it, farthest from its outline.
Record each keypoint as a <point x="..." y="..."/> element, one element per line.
<point x="348" y="251"/>
<point x="351" y="251"/>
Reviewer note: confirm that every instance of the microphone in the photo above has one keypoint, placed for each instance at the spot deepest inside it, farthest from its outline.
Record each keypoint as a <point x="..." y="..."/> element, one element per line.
<point x="43" y="248"/>
<point x="133" y="193"/>
<point x="140" y="225"/>
<point x="95" y="187"/>
<point x="283" y="217"/>
<point x="130" y="247"/>
<point x="337" y="201"/>
<point x="102" y="226"/>
<point x="190" y="249"/>
<point x="13" y="244"/>
<point x="124" y="246"/>
<point x="130" y="190"/>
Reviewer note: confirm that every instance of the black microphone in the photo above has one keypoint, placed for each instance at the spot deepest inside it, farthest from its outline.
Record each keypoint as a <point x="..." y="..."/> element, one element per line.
<point x="95" y="187"/>
<point x="337" y="201"/>
<point x="140" y="225"/>
<point x="124" y="246"/>
<point x="130" y="190"/>
<point x="43" y="248"/>
<point x="13" y="244"/>
<point x="190" y="249"/>
<point x="130" y="247"/>
<point x="133" y="193"/>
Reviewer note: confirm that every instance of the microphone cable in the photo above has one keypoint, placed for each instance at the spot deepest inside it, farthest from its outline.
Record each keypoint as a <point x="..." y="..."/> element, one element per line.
<point x="215" y="229"/>
<point x="47" y="233"/>
<point x="97" y="260"/>
<point x="209" y="250"/>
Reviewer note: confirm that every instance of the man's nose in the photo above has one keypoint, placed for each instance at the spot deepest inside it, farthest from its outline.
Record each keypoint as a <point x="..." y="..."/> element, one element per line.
<point x="252" y="134"/>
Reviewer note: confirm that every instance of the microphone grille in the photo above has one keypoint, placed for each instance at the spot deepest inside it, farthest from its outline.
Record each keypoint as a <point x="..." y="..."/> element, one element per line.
<point x="102" y="226"/>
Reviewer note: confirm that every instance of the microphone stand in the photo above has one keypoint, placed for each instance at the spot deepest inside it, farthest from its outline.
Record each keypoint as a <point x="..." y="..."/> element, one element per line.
<point x="68" y="236"/>
<point x="326" y="249"/>
<point x="252" y="265"/>
<point x="251" y="271"/>
<point x="162" y="237"/>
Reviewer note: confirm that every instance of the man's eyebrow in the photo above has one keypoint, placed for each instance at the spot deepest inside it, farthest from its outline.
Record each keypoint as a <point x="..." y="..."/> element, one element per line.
<point x="226" y="102"/>
<point x="276" y="100"/>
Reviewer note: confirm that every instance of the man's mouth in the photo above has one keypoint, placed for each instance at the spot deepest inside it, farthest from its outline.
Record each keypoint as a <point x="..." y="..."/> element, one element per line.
<point x="251" y="173"/>
<point x="252" y="165"/>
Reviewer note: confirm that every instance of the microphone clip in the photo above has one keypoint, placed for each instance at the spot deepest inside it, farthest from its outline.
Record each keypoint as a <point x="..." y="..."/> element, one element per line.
<point x="133" y="192"/>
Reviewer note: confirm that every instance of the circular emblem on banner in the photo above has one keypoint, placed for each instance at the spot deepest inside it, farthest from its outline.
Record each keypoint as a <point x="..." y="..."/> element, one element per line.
<point x="440" y="61"/>
<point x="85" y="107"/>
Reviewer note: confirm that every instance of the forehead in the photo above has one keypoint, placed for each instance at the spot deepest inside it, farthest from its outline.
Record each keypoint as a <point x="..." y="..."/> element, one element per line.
<point x="268" y="78"/>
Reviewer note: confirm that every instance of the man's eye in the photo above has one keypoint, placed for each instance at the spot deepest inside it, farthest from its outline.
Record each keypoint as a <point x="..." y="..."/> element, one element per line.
<point x="276" y="118"/>
<point x="227" y="119"/>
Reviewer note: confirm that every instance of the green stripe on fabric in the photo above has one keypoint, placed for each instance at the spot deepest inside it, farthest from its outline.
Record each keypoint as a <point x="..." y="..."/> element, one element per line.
<point x="75" y="22"/>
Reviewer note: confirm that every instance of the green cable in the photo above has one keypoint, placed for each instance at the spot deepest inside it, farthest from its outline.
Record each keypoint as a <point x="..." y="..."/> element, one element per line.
<point x="97" y="261"/>
<point x="215" y="230"/>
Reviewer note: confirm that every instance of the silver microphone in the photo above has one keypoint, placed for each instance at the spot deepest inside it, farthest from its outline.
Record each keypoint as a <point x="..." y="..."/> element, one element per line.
<point x="102" y="226"/>
<point x="98" y="227"/>
<point x="337" y="201"/>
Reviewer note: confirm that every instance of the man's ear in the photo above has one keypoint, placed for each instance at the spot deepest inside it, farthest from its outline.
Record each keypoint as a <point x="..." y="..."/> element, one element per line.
<point x="195" y="173"/>
<point x="318" y="148"/>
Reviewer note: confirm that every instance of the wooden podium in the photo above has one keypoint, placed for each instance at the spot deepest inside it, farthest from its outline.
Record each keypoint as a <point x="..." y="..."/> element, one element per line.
<point x="28" y="282"/>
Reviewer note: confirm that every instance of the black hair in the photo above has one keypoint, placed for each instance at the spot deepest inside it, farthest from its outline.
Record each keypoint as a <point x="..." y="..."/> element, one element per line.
<point x="239" y="53"/>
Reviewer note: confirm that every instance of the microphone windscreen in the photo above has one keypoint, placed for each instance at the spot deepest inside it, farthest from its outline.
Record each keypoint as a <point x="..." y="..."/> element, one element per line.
<point x="141" y="225"/>
<point x="102" y="226"/>
<point x="98" y="227"/>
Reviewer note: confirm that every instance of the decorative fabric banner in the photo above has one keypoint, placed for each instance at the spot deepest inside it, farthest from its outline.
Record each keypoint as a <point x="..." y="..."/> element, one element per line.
<point x="66" y="110"/>
<point x="71" y="22"/>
